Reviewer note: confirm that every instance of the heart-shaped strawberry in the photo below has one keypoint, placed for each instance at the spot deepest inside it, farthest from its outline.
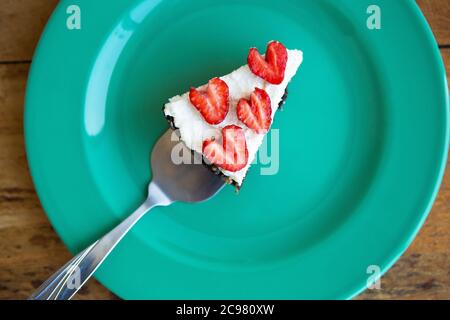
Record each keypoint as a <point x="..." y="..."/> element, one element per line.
<point x="256" y="113"/>
<point x="212" y="103"/>
<point x="232" y="154"/>
<point x="273" y="66"/>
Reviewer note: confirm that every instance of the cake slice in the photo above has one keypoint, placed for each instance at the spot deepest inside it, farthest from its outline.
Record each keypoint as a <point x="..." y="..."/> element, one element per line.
<point x="226" y="120"/>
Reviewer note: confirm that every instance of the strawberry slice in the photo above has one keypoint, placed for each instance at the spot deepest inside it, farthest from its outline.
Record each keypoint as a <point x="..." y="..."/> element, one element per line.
<point x="273" y="66"/>
<point x="213" y="102"/>
<point x="256" y="113"/>
<point x="232" y="155"/>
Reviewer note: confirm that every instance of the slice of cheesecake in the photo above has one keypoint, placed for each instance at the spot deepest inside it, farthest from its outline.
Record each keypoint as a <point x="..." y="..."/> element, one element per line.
<point x="226" y="120"/>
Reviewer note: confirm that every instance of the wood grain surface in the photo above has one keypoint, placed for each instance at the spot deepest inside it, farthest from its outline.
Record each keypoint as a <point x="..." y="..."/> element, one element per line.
<point x="437" y="13"/>
<point x="30" y="250"/>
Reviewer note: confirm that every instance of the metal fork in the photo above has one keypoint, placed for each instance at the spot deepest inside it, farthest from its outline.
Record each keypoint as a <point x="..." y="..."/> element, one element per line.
<point x="188" y="182"/>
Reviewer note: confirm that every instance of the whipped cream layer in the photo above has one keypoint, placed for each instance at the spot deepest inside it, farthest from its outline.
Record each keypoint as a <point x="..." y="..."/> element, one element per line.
<point x="241" y="83"/>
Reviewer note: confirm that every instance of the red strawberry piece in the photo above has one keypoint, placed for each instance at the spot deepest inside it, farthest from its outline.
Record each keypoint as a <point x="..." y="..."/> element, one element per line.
<point x="232" y="154"/>
<point x="213" y="102"/>
<point x="272" y="67"/>
<point x="256" y="113"/>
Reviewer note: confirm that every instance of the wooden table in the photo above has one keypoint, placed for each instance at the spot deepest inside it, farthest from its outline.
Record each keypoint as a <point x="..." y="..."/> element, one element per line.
<point x="30" y="250"/>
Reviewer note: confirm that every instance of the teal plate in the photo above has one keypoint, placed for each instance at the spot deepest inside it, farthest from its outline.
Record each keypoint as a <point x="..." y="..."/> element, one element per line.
<point x="363" y="143"/>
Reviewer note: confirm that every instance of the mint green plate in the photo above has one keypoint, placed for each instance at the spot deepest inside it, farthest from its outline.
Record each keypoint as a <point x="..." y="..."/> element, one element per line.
<point x="363" y="143"/>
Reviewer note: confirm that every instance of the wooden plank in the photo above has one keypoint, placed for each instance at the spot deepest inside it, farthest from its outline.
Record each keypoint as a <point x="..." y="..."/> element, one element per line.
<point x="30" y="249"/>
<point x="21" y="23"/>
<point x="446" y="58"/>
<point x="437" y="13"/>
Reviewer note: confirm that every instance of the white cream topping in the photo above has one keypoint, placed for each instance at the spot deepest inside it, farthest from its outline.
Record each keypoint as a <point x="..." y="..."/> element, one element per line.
<point x="241" y="83"/>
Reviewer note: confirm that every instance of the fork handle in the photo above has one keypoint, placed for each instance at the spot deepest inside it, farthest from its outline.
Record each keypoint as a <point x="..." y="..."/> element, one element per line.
<point x="65" y="282"/>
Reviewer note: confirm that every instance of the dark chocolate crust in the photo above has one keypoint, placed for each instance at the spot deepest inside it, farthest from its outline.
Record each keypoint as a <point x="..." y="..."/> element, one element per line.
<point x="283" y="99"/>
<point x="214" y="169"/>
